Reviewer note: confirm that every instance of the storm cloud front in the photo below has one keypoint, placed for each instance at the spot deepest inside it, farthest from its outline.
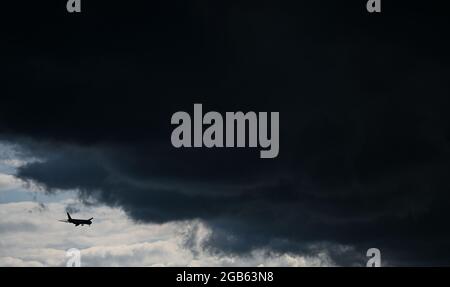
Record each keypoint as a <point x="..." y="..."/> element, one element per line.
<point x="364" y="127"/>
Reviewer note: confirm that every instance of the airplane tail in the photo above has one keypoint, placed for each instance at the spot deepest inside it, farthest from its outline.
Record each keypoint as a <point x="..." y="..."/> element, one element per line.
<point x="91" y="218"/>
<point x="68" y="216"/>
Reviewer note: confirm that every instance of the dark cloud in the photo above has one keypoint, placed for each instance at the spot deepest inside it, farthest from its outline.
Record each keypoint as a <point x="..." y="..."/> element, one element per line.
<point x="363" y="102"/>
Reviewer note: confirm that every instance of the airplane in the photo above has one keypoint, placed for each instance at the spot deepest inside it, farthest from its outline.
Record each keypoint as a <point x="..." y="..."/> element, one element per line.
<point x="77" y="222"/>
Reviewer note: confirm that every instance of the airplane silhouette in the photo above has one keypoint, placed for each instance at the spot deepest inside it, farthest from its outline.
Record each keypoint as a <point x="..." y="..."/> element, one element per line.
<point x="77" y="222"/>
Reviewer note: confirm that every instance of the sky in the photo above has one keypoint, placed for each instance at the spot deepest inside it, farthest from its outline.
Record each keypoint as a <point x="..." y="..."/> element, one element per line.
<point x="364" y="133"/>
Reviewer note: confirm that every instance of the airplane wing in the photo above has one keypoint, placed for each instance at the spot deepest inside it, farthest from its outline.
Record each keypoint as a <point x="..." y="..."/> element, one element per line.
<point x="64" y="221"/>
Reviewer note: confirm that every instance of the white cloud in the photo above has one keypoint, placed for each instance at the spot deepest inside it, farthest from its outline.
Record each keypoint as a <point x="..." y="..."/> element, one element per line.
<point x="16" y="262"/>
<point x="8" y="182"/>
<point x="32" y="236"/>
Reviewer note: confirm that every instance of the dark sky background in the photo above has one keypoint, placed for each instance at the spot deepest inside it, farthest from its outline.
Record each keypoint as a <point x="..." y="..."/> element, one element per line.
<point x="364" y="124"/>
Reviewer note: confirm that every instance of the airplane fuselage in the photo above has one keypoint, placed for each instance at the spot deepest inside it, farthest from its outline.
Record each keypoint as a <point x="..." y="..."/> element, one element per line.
<point x="80" y="221"/>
